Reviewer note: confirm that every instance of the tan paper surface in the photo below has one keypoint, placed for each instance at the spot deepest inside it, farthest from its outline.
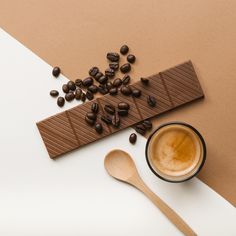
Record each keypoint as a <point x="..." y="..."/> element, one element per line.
<point x="77" y="34"/>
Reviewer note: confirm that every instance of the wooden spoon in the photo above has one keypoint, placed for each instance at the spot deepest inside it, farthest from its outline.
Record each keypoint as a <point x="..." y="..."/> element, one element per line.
<point x="120" y="165"/>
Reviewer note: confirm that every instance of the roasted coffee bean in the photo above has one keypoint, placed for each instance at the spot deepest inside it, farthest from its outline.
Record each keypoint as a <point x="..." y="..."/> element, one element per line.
<point x="98" y="128"/>
<point x="102" y="89"/>
<point x="110" y="109"/>
<point x="103" y="79"/>
<point x="89" y="121"/>
<point x="144" y="81"/>
<point x="117" y="82"/>
<point x="108" y="85"/>
<point x="88" y="81"/>
<point x="95" y="107"/>
<point x="122" y="112"/>
<point x="125" y="79"/>
<point x="93" y="71"/>
<point x="151" y="101"/>
<point x="124" y="49"/>
<point x="133" y="138"/>
<point x="109" y="72"/>
<point x="93" y="88"/>
<point x="89" y="95"/>
<point x="78" y="82"/>
<point x="69" y="96"/>
<point x="114" y="66"/>
<point x="56" y="71"/>
<point x="125" y="68"/>
<point x="126" y="90"/>
<point x="113" y="91"/>
<point x="106" y="119"/>
<point x="65" y="88"/>
<point x="115" y="120"/>
<point x="78" y="93"/>
<point x="113" y="56"/>
<point x="131" y="58"/>
<point x="91" y="115"/>
<point x="83" y="97"/>
<point x="60" y="101"/>
<point x="147" y="124"/>
<point x="71" y="85"/>
<point x="140" y="129"/>
<point x="136" y="93"/>
<point x="98" y="76"/>
<point x="54" y="93"/>
<point x="123" y="106"/>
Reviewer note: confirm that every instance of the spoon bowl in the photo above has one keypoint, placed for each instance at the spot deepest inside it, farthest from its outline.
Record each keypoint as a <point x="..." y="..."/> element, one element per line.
<point x="119" y="165"/>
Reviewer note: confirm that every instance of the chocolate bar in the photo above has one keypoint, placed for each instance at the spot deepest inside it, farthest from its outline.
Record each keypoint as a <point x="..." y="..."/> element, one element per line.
<point x="171" y="88"/>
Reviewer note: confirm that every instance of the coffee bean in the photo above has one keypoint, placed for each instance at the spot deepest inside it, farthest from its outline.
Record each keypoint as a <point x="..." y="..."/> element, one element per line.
<point x="123" y="106"/>
<point x="89" y="121"/>
<point x="60" y="101"/>
<point x="122" y="112"/>
<point x="78" y="82"/>
<point x="78" y="93"/>
<point x="144" y="81"/>
<point x="83" y="97"/>
<point x="93" y="88"/>
<point x="98" y="128"/>
<point x="140" y="129"/>
<point x="136" y="93"/>
<point x="91" y="115"/>
<point x="110" y="109"/>
<point x="89" y="95"/>
<point x="147" y="124"/>
<point x="65" y="88"/>
<point x="109" y="72"/>
<point x="113" y="91"/>
<point x="115" y="120"/>
<point x="125" y="68"/>
<point x="113" y="56"/>
<point x="102" y="89"/>
<point x="93" y="71"/>
<point x="103" y="79"/>
<point x="69" y="96"/>
<point x="114" y="66"/>
<point x="87" y="81"/>
<point x="108" y="85"/>
<point x="98" y="76"/>
<point x="131" y="58"/>
<point x="106" y="119"/>
<point x="126" y="90"/>
<point x="71" y="85"/>
<point x="95" y="107"/>
<point x="56" y="71"/>
<point x="124" y="49"/>
<point x="151" y="101"/>
<point x="126" y="79"/>
<point x="117" y="82"/>
<point x="54" y="93"/>
<point x="133" y="138"/>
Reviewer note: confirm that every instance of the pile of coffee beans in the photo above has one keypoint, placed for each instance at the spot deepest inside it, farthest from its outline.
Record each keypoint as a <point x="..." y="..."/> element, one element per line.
<point x="104" y="83"/>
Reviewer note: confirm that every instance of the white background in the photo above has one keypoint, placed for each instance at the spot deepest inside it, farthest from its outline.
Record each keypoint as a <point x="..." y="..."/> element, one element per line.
<point x="74" y="195"/>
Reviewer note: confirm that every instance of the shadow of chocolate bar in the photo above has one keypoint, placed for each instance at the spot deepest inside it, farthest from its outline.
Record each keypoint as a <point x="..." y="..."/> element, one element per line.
<point x="171" y="88"/>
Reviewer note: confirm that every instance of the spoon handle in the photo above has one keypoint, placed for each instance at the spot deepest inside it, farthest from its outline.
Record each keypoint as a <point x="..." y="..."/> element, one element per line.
<point x="164" y="208"/>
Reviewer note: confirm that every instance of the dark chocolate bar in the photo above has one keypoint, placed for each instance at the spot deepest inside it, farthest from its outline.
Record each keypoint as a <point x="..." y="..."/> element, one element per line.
<point x="171" y="88"/>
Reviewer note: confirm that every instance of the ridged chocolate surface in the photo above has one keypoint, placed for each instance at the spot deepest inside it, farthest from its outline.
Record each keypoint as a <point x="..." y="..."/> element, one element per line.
<point x="156" y="89"/>
<point x="58" y="135"/>
<point x="84" y="132"/>
<point x="171" y="88"/>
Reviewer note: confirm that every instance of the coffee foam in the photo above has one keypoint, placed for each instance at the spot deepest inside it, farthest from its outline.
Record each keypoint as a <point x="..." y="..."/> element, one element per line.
<point x="175" y="152"/>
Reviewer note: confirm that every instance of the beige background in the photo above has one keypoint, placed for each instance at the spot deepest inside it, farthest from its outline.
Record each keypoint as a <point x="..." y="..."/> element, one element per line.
<point x="77" y="34"/>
